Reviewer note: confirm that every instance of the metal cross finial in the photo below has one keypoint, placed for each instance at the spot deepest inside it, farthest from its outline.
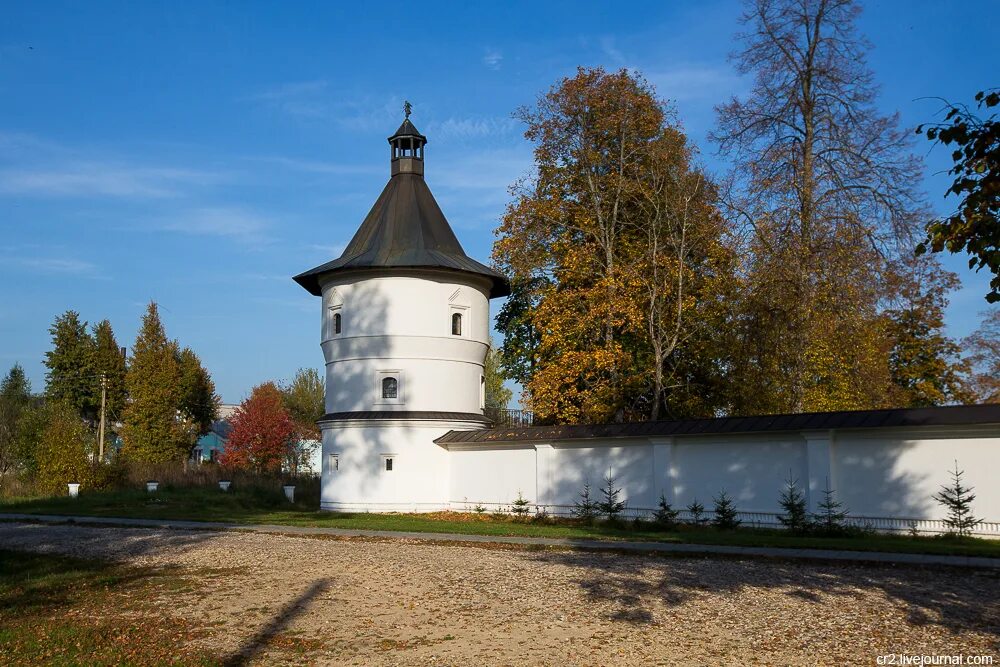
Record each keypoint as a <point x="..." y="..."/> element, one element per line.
<point x="407" y="108"/>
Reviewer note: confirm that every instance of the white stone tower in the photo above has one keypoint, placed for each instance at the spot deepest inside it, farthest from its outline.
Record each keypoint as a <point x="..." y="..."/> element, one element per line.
<point x="405" y="330"/>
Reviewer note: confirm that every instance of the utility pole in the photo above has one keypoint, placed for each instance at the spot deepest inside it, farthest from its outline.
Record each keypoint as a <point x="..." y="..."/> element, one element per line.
<point x="100" y="430"/>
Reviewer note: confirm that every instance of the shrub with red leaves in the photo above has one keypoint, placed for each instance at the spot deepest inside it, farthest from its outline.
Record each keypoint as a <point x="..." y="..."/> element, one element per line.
<point x="261" y="432"/>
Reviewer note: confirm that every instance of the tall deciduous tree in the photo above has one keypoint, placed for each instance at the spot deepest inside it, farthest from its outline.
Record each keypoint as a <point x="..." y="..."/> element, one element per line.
<point x="65" y="448"/>
<point x="609" y="249"/>
<point x="198" y="403"/>
<point x="824" y="186"/>
<point x="71" y="375"/>
<point x="497" y="396"/>
<point x="983" y="349"/>
<point x="151" y="429"/>
<point x="926" y="365"/>
<point x="304" y="399"/>
<point x="975" y="225"/>
<point x="262" y="432"/>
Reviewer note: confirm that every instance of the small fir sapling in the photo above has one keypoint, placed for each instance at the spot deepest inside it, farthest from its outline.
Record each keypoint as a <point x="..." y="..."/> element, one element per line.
<point x="832" y="514"/>
<point x="725" y="512"/>
<point x="957" y="499"/>
<point x="610" y="505"/>
<point x="665" y="516"/>
<point x="521" y="506"/>
<point x="794" y="516"/>
<point x="585" y="508"/>
<point x="697" y="512"/>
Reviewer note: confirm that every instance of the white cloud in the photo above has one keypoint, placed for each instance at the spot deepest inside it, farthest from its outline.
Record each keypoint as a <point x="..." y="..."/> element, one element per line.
<point x="299" y="98"/>
<point x="493" y="59"/>
<point x="232" y="223"/>
<point x="490" y="170"/>
<point x="694" y="82"/>
<point x="96" y="179"/>
<point x="31" y="166"/>
<point x="611" y="51"/>
<point x="49" y="265"/>
<point x="470" y="128"/>
<point x="315" y="100"/>
<point x="328" y="251"/>
<point x="318" y="166"/>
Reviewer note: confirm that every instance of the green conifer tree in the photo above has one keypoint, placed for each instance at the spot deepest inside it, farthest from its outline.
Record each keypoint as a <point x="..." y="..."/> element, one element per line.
<point x="725" y="512"/>
<point x="71" y="377"/>
<point x="610" y="505"/>
<point x="794" y="515"/>
<point x="665" y="516"/>
<point x="585" y="508"/>
<point x="110" y="362"/>
<point x="151" y="429"/>
<point x="696" y="510"/>
<point x="832" y="513"/>
<point x="15" y="399"/>
<point x="957" y="499"/>
<point x="521" y="505"/>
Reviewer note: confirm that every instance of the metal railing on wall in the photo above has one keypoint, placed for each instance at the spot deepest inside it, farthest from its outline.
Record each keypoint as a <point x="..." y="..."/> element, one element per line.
<point x="747" y="519"/>
<point x="505" y="418"/>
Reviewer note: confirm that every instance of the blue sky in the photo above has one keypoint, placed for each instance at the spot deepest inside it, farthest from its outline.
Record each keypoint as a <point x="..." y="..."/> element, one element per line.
<point x="200" y="154"/>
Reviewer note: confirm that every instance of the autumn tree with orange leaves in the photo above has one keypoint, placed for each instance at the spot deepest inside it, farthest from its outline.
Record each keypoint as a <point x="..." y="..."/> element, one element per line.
<point x="262" y="431"/>
<point x="617" y="258"/>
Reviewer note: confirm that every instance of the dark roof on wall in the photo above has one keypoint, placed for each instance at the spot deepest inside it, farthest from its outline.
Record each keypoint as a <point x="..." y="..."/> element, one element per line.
<point x="960" y="415"/>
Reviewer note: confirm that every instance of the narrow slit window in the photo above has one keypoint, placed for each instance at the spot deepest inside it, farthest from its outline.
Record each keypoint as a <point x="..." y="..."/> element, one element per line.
<point x="388" y="464"/>
<point x="456" y="324"/>
<point x="336" y="323"/>
<point x="390" y="387"/>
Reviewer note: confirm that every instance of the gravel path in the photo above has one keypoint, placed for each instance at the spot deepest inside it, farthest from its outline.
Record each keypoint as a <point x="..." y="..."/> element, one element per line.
<point x="393" y="602"/>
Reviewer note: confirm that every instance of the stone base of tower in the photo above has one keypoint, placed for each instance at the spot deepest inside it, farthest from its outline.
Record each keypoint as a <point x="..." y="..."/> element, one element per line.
<point x="387" y="465"/>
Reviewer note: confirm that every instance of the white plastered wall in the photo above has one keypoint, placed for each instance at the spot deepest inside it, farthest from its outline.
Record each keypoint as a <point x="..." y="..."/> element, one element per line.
<point x="886" y="475"/>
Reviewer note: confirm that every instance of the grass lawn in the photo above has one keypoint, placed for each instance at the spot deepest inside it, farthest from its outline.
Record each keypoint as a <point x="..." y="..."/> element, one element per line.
<point x="257" y="507"/>
<point x="68" y="611"/>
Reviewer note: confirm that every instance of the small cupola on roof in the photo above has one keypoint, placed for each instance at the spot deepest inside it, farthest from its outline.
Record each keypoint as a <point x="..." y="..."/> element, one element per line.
<point x="405" y="228"/>
<point x="407" y="146"/>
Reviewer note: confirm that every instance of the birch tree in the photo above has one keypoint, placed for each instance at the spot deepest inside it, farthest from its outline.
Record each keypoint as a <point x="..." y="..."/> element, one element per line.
<point x="823" y="186"/>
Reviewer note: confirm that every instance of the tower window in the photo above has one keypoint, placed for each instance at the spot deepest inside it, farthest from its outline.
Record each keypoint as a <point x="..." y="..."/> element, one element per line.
<point x="336" y="323"/>
<point x="388" y="463"/>
<point x="390" y="387"/>
<point x="456" y="324"/>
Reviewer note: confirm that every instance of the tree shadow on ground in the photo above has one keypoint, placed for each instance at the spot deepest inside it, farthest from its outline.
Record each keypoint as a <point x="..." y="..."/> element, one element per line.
<point x="957" y="600"/>
<point x="47" y="583"/>
<point x="278" y="624"/>
<point x="88" y="542"/>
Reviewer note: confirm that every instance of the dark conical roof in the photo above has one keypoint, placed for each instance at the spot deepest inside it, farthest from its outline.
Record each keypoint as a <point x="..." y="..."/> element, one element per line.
<point x="405" y="229"/>
<point x="407" y="129"/>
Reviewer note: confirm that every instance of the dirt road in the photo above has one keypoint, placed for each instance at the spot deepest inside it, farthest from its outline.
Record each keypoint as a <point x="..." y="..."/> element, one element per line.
<point x="395" y="602"/>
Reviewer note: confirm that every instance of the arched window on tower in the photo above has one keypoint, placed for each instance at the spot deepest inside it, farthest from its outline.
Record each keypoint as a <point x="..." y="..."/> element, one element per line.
<point x="390" y="387"/>
<point x="456" y="324"/>
<point x="336" y="323"/>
